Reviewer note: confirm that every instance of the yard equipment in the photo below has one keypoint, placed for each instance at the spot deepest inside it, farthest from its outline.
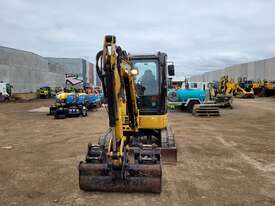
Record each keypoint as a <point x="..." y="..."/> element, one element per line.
<point x="73" y="107"/>
<point x="94" y="97"/>
<point x="128" y="156"/>
<point x="224" y="100"/>
<point x="44" y="92"/>
<point x="93" y="101"/>
<point x="56" y="91"/>
<point x="242" y="93"/>
<point x="264" y="89"/>
<point x="226" y="86"/>
<point x="60" y="101"/>
<point x="222" y="92"/>
<point x="82" y="103"/>
<point x="244" y="89"/>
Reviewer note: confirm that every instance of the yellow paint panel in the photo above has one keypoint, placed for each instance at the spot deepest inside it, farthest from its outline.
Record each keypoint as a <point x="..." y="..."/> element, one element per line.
<point x="153" y="121"/>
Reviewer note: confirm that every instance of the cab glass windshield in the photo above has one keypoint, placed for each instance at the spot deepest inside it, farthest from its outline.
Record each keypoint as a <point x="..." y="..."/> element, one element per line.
<point x="147" y="79"/>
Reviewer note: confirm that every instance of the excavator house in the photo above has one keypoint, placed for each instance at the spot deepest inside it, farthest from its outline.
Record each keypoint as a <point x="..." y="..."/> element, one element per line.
<point x="129" y="156"/>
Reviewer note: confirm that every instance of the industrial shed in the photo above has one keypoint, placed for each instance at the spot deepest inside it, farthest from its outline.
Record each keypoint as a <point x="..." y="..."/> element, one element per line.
<point x="258" y="70"/>
<point x="78" y="66"/>
<point x="28" y="71"/>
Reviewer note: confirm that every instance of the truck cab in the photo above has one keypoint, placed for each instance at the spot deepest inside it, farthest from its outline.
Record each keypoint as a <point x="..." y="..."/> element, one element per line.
<point x="196" y="85"/>
<point x="188" y="95"/>
<point x="5" y="91"/>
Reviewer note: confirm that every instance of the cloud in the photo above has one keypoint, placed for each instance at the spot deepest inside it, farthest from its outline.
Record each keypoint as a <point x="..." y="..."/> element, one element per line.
<point x="198" y="35"/>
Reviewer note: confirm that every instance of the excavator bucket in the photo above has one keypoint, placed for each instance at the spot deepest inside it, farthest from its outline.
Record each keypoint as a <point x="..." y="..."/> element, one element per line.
<point x="139" y="178"/>
<point x="141" y="173"/>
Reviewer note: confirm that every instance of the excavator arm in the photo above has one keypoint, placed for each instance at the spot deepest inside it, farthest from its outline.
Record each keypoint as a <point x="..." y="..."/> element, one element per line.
<point x="117" y="76"/>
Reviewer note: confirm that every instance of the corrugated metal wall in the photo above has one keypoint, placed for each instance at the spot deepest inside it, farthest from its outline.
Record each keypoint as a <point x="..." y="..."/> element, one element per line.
<point x="77" y="66"/>
<point x="71" y="65"/>
<point x="259" y="70"/>
<point x="27" y="71"/>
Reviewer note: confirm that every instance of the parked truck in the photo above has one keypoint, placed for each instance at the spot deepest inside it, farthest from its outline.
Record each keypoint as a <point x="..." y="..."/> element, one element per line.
<point x="192" y="97"/>
<point x="5" y="91"/>
<point x="188" y="95"/>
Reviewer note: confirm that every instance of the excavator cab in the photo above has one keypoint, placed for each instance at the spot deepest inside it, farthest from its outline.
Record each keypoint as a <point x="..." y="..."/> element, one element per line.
<point x="152" y="85"/>
<point x="129" y="156"/>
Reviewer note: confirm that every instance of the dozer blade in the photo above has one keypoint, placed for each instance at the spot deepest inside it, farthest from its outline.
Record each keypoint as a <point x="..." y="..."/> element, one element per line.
<point x="169" y="154"/>
<point x="138" y="178"/>
<point x="168" y="146"/>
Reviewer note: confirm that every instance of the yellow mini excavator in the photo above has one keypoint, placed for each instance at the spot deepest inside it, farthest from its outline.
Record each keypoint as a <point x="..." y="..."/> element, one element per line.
<point x="129" y="155"/>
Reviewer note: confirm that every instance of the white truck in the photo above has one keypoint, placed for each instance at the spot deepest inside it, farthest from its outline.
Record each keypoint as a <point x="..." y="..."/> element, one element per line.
<point x="5" y="91"/>
<point x="196" y="85"/>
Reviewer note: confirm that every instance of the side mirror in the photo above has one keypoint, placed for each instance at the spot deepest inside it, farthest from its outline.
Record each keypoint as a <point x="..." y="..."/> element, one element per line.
<point x="171" y="70"/>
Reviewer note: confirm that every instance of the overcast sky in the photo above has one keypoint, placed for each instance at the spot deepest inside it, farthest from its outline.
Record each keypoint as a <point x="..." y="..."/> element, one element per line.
<point x="198" y="35"/>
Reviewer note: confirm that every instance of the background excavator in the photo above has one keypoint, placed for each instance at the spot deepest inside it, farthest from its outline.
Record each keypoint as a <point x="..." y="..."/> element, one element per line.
<point x="226" y="88"/>
<point x="129" y="156"/>
<point x="222" y="92"/>
<point x="263" y="88"/>
<point x="244" y="88"/>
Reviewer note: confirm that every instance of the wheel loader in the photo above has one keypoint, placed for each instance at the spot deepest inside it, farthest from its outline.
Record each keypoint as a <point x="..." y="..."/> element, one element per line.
<point x="129" y="156"/>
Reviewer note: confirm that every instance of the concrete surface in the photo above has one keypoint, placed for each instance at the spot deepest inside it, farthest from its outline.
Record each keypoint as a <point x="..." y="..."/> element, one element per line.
<point x="258" y="70"/>
<point x="228" y="160"/>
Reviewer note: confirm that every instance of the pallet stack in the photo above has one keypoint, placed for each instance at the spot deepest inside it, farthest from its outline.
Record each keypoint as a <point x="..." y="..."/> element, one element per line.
<point x="206" y="110"/>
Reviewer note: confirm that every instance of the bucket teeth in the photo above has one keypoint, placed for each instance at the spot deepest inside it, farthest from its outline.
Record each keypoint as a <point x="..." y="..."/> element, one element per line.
<point x="139" y="178"/>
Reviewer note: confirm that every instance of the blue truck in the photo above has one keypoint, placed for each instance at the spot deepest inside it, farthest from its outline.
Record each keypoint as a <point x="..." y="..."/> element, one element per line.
<point x="186" y="98"/>
<point x="193" y="97"/>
